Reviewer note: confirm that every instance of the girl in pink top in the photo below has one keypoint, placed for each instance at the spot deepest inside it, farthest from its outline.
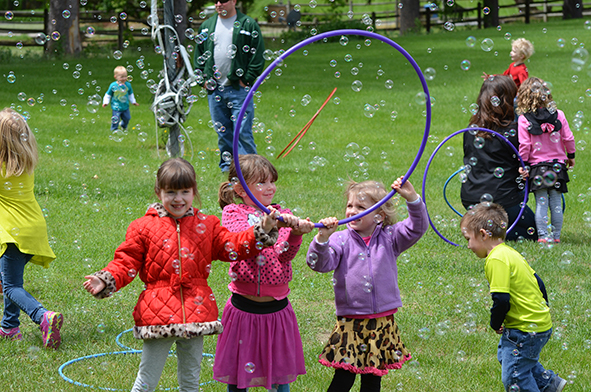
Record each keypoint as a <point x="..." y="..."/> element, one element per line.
<point x="261" y="344"/>
<point x="547" y="145"/>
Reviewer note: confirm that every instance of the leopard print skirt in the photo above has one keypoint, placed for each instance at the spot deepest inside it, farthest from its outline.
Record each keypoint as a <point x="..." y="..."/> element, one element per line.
<point x="365" y="346"/>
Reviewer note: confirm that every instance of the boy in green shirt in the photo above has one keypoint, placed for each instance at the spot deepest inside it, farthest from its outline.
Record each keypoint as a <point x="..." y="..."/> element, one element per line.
<point x="519" y="299"/>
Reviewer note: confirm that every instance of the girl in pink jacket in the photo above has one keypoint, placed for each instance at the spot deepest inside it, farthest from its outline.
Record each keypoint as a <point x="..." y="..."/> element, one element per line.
<point x="547" y="145"/>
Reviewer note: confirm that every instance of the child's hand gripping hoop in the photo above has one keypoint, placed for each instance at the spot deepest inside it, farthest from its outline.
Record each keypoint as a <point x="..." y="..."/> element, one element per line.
<point x="472" y="129"/>
<point x="300" y="45"/>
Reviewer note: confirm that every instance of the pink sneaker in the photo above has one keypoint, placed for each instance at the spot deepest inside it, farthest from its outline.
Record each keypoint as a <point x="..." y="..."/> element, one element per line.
<point x="12" y="334"/>
<point x="50" y="327"/>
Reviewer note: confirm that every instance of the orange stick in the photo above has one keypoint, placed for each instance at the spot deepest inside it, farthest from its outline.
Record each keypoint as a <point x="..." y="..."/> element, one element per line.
<point x="301" y="133"/>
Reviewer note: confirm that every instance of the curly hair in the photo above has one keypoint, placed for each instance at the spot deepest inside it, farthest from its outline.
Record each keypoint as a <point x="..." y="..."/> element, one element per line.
<point x="524" y="47"/>
<point x="534" y="94"/>
<point x="495" y="104"/>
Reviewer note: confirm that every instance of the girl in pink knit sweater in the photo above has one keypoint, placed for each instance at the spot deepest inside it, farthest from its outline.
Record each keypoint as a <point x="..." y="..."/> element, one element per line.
<point x="260" y="345"/>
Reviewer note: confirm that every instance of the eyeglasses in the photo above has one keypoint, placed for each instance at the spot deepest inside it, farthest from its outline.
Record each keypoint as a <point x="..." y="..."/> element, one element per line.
<point x="221" y="1"/>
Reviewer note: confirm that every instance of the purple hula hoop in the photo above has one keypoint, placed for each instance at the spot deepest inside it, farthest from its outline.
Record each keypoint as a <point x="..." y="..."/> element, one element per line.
<point x="300" y="45"/>
<point x="441" y="145"/>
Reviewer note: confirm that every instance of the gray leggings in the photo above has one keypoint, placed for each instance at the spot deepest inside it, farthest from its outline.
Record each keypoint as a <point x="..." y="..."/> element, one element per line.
<point x="545" y="198"/>
<point x="154" y="354"/>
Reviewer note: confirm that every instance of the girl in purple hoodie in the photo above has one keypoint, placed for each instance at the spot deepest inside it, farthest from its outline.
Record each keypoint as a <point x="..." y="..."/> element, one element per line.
<point x="366" y="339"/>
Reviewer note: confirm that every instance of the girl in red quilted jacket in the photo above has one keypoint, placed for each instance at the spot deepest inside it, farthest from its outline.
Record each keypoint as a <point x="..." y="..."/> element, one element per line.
<point x="171" y="249"/>
<point x="261" y="344"/>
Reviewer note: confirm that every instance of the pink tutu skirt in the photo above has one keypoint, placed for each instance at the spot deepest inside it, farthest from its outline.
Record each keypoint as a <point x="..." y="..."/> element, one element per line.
<point x="258" y="350"/>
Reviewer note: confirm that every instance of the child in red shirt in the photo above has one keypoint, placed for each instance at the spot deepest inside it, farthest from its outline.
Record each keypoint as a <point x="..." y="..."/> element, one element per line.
<point x="521" y="50"/>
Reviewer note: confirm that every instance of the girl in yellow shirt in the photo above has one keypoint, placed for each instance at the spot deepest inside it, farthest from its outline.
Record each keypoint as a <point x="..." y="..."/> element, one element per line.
<point x="23" y="232"/>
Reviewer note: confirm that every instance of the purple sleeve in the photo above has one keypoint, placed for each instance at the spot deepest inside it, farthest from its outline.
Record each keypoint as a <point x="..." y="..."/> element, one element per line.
<point x="324" y="257"/>
<point x="407" y="232"/>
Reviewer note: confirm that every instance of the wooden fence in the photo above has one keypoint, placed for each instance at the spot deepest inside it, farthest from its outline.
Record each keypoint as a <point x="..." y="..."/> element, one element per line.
<point x="97" y="27"/>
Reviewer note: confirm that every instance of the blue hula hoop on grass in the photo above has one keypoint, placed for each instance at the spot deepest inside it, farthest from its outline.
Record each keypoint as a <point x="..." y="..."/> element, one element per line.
<point x="300" y="45"/>
<point x="472" y="129"/>
<point x="128" y="350"/>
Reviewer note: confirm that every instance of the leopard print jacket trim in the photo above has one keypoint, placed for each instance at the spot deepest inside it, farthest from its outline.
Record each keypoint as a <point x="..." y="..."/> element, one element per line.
<point x="267" y="239"/>
<point x="186" y="331"/>
<point x="110" y="284"/>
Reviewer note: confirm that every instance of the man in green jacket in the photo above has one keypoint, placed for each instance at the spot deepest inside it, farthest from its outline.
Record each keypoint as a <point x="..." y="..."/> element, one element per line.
<point x="229" y="53"/>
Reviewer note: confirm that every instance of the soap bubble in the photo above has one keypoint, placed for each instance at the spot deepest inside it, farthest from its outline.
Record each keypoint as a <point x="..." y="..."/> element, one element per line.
<point x="465" y="65"/>
<point x="40" y="39"/>
<point x="429" y="73"/>
<point x="356" y="86"/>
<point x="249" y="367"/>
<point x="487" y="44"/>
<point x="486" y="198"/>
<point x="471" y="41"/>
<point x="479" y="142"/>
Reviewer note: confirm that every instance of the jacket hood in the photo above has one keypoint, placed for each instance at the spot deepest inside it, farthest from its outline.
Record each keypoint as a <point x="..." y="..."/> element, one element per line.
<point x="543" y="121"/>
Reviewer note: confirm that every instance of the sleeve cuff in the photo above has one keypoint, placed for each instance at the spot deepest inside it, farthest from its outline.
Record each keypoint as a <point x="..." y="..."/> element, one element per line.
<point x="110" y="284"/>
<point x="267" y="239"/>
<point x="570" y="155"/>
<point x="417" y="201"/>
<point x="318" y="242"/>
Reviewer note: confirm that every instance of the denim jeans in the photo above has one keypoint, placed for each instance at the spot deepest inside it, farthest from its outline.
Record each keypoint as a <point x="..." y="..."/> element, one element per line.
<point x="519" y="354"/>
<point x="224" y="106"/>
<point x="120" y="117"/>
<point x="12" y="267"/>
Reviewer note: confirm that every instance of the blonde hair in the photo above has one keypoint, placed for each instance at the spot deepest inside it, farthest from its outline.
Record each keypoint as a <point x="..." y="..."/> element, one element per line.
<point x="488" y="216"/>
<point x="18" y="147"/>
<point x="374" y="191"/>
<point x="254" y="168"/>
<point x="533" y="94"/>
<point x="120" y="69"/>
<point x="176" y="173"/>
<point x="524" y="47"/>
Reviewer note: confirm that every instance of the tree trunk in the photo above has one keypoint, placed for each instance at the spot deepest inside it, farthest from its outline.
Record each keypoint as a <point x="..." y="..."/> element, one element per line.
<point x="492" y="18"/>
<point x="572" y="9"/>
<point x="409" y="15"/>
<point x="180" y="12"/>
<point x="63" y="27"/>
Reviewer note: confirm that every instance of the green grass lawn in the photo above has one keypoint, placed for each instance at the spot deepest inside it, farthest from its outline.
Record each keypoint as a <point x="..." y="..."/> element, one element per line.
<point x="92" y="185"/>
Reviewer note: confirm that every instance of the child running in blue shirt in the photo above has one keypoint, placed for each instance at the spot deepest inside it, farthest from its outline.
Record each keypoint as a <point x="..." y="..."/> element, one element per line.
<point x="120" y="95"/>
